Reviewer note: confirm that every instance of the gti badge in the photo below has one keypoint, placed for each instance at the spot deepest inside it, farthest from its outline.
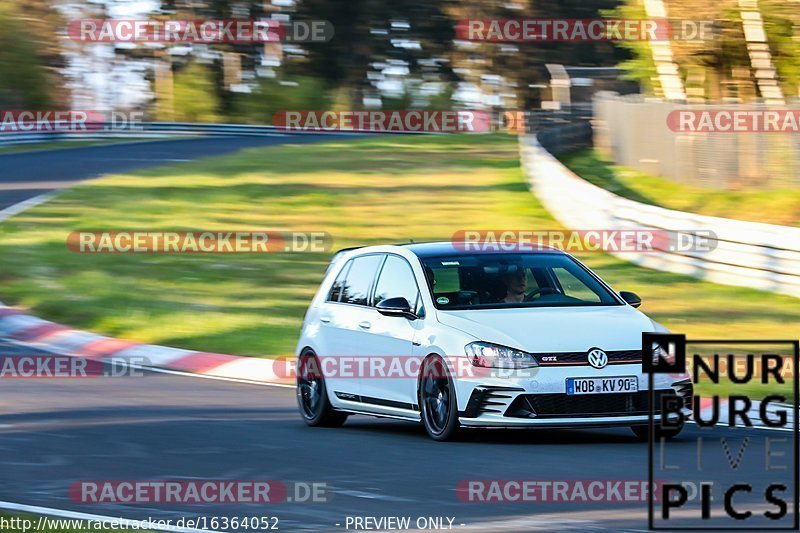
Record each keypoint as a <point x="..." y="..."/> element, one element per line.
<point x="597" y="358"/>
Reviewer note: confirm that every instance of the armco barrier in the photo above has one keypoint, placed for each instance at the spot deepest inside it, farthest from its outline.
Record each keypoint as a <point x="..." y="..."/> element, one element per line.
<point x="134" y="130"/>
<point x="152" y="130"/>
<point x="142" y="130"/>
<point x="747" y="254"/>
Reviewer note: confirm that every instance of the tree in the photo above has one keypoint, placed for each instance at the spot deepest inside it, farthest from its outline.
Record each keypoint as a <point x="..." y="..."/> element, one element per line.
<point x="195" y="94"/>
<point x="372" y="34"/>
<point x="273" y="95"/>
<point x="521" y="65"/>
<point x="26" y="82"/>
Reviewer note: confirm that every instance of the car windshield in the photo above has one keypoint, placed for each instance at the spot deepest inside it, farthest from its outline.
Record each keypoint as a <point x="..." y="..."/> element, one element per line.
<point x="490" y="281"/>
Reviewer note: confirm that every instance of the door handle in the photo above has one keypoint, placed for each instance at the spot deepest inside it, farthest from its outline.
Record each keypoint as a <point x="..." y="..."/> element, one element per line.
<point x="325" y="319"/>
<point x="364" y="325"/>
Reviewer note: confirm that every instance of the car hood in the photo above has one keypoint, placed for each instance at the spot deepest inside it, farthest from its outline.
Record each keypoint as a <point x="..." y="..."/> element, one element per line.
<point x="554" y="329"/>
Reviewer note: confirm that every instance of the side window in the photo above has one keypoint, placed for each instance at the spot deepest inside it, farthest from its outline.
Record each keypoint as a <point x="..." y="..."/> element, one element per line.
<point x="396" y="280"/>
<point x="355" y="289"/>
<point x="336" y="290"/>
<point x="574" y="287"/>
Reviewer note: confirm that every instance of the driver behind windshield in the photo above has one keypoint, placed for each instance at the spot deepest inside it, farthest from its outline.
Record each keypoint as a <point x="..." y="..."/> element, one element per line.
<point x="516" y="283"/>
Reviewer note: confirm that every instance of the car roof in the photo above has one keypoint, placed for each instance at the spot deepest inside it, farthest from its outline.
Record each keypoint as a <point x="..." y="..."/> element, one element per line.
<point x="452" y="248"/>
<point x="447" y="248"/>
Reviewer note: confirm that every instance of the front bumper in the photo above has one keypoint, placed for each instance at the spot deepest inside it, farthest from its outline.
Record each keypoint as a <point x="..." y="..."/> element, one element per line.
<point x="504" y="422"/>
<point x="543" y="402"/>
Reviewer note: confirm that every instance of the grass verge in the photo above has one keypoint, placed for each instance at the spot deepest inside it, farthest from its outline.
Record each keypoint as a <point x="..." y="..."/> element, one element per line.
<point x="364" y="191"/>
<point x="776" y="206"/>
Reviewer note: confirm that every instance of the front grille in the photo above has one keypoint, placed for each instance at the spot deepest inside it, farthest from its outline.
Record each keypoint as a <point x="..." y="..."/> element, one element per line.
<point x="581" y="358"/>
<point x="582" y="405"/>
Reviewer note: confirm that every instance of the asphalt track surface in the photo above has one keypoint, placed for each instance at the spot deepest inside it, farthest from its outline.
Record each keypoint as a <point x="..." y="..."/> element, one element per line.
<point x="155" y="426"/>
<point x="25" y="175"/>
<point x="55" y="432"/>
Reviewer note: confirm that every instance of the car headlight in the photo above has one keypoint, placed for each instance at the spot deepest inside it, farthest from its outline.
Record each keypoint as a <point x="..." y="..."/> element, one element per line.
<point x="488" y="355"/>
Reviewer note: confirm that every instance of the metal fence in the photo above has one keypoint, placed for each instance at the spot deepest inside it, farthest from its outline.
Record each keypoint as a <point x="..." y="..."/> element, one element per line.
<point x="747" y="254"/>
<point x="633" y="132"/>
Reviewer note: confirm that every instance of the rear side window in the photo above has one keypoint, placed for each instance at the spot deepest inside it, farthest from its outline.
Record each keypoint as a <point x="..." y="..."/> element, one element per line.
<point x="358" y="280"/>
<point x="336" y="290"/>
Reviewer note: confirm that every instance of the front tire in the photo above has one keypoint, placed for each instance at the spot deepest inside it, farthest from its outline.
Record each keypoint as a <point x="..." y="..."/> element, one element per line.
<point x="312" y="395"/>
<point x="437" y="400"/>
<point x="667" y="433"/>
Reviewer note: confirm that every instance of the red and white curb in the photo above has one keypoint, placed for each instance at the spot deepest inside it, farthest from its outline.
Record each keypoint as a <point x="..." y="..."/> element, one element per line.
<point x="27" y="330"/>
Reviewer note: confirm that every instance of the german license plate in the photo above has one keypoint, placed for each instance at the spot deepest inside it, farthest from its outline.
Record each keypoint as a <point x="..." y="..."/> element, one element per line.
<point x="610" y="385"/>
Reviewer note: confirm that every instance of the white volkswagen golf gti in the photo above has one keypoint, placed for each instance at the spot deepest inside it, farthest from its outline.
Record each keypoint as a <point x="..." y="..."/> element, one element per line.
<point x="456" y="338"/>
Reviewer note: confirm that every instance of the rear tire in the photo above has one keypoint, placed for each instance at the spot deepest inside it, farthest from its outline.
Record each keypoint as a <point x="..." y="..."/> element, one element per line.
<point x="437" y="400"/>
<point x="312" y="395"/>
<point x="667" y="433"/>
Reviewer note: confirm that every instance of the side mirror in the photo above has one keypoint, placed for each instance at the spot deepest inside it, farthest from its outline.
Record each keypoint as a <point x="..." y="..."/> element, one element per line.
<point x="631" y="298"/>
<point x="396" y="307"/>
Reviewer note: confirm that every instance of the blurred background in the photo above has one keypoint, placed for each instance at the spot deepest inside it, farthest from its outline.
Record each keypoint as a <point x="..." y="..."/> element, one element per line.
<point x="388" y="55"/>
<point x="384" y="55"/>
<point x="405" y="54"/>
